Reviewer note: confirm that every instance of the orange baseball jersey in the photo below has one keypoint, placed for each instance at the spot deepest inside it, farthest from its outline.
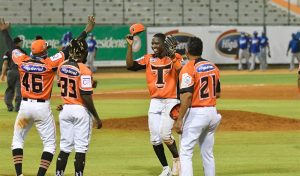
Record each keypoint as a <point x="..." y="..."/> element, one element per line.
<point x="75" y="79"/>
<point x="201" y="78"/>
<point x="161" y="75"/>
<point x="36" y="76"/>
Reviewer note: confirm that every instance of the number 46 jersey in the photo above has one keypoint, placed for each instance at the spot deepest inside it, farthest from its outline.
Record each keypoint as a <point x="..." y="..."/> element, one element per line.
<point x="75" y="79"/>
<point x="36" y="76"/>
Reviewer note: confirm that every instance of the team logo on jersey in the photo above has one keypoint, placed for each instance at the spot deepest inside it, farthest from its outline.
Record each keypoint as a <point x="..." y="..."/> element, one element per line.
<point x="86" y="81"/>
<point x="227" y="43"/>
<point x="69" y="71"/>
<point x="205" y="68"/>
<point x="153" y="59"/>
<point x="33" y="68"/>
<point x="56" y="57"/>
<point x="186" y="81"/>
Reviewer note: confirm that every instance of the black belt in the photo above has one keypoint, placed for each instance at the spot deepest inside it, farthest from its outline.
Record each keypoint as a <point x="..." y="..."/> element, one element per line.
<point x="37" y="100"/>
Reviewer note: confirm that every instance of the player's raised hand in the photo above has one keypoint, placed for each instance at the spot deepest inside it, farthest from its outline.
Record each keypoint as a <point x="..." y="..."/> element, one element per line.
<point x="3" y="25"/>
<point x="90" y="24"/>
<point x="129" y="39"/>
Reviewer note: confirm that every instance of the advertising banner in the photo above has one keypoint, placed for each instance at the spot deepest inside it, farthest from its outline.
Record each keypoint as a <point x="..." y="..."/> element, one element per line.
<point x="220" y="43"/>
<point x="111" y="41"/>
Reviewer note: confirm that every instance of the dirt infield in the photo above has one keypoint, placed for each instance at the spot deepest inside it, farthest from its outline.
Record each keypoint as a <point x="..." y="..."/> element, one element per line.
<point x="250" y="92"/>
<point x="231" y="121"/>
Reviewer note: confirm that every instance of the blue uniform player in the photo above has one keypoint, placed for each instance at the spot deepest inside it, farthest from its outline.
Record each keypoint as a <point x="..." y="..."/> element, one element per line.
<point x="254" y="50"/>
<point x="264" y="46"/>
<point x="243" y="50"/>
<point x="294" y="46"/>
<point x="67" y="37"/>
<point x="92" y="49"/>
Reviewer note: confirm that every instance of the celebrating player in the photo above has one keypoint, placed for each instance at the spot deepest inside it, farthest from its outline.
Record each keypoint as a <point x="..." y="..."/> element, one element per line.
<point x="37" y="73"/>
<point x="75" y="81"/>
<point x="161" y="73"/>
<point x="199" y="88"/>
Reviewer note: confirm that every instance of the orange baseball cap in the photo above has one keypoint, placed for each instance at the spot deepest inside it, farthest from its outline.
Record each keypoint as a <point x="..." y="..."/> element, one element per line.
<point x="38" y="46"/>
<point x="136" y="28"/>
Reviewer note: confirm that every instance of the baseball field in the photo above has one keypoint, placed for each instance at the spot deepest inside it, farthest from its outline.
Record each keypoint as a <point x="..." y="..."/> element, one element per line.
<point x="259" y="134"/>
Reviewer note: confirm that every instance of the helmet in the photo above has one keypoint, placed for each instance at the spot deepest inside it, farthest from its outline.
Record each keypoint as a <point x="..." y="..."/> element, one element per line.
<point x="136" y="28"/>
<point x="78" y="49"/>
<point x="38" y="46"/>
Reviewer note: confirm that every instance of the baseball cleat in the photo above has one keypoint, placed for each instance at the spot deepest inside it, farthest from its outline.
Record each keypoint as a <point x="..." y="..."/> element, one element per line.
<point x="166" y="171"/>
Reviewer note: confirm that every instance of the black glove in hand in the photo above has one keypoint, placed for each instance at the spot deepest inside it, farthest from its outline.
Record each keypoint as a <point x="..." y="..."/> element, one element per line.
<point x="170" y="45"/>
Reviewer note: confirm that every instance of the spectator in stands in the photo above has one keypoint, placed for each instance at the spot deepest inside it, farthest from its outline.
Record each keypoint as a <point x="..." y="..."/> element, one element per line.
<point x="243" y="52"/>
<point x="264" y="46"/>
<point x="294" y="46"/>
<point x="92" y="50"/>
<point x="254" y="50"/>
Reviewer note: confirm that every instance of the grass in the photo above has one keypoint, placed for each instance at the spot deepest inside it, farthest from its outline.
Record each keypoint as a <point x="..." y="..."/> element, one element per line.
<point x="129" y="153"/>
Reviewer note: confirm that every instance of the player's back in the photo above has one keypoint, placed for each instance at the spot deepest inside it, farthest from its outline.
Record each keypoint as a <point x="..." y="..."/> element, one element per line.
<point x="74" y="80"/>
<point x="206" y="80"/>
<point x="36" y="76"/>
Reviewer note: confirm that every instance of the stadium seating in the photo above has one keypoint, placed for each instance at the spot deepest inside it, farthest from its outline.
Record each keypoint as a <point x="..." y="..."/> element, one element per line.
<point x="149" y="12"/>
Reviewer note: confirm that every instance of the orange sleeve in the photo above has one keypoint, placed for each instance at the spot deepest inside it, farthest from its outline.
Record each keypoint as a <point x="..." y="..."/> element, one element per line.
<point x="177" y="61"/>
<point x="18" y="56"/>
<point x="56" y="59"/>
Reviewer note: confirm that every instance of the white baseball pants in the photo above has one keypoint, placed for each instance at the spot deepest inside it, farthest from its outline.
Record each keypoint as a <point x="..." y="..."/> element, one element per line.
<point x="75" y="128"/>
<point x="199" y="127"/>
<point x="243" y="54"/>
<point x="39" y="113"/>
<point x="159" y="120"/>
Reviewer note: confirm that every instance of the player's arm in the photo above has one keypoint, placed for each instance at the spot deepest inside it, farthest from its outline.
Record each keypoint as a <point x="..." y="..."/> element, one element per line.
<point x="8" y="40"/>
<point x="129" y="54"/>
<point x="88" y="28"/>
<point x="218" y="89"/>
<point x="89" y="104"/>
<point x="289" y="47"/>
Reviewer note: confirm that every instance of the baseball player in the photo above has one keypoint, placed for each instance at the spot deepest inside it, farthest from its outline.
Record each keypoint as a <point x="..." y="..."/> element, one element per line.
<point x="13" y="78"/>
<point x="243" y="50"/>
<point x="294" y="46"/>
<point x="92" y="50"/>
<point x="162" y="69"/>
<point x="67" y="37"/>
<point x="75" y="81"/>
<point x="254" y="50"/>
<point x="37" y="73"/>
<point x="199" y="88"/>
<point x="264" y="46"/>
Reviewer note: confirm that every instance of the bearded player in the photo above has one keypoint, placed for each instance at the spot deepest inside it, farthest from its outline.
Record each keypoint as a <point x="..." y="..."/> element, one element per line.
<point x="37" y="73"/>
<point x="162" y="69"/>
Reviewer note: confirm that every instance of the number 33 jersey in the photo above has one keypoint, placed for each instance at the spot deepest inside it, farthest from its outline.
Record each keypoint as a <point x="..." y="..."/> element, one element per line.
<point x="161" y="75"/>
<point x="36" y="76"/>
<point x="74" y="80"/>
<point x="201" y="78"/>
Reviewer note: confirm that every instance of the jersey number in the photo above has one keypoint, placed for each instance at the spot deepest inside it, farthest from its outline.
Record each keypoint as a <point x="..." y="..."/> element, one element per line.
<point x="65" y="91"/>
<point x="205" y="91"/>
<point x="36" y="84"/>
